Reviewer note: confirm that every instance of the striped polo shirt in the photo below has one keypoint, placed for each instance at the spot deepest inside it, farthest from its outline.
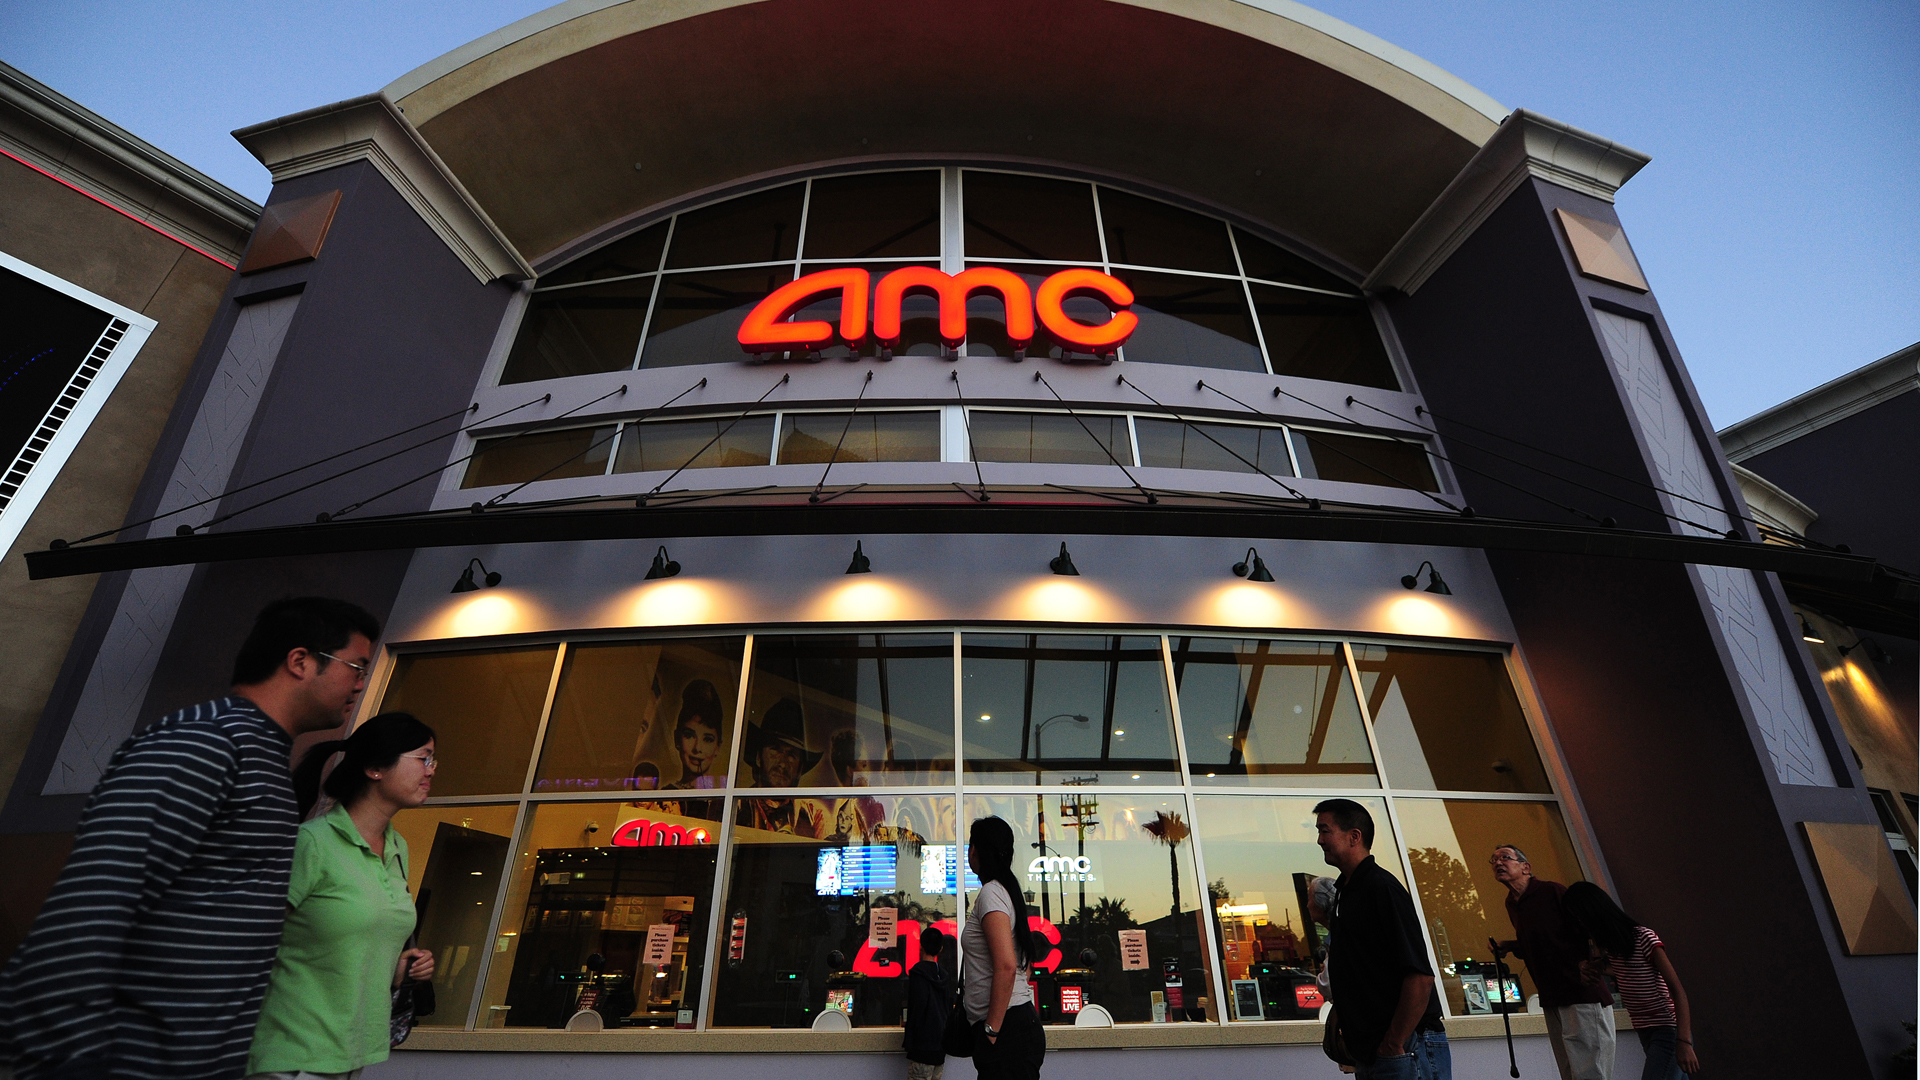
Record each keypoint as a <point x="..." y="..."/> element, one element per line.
<point x="153" y="950"/>
<point x="1643" y="990"/>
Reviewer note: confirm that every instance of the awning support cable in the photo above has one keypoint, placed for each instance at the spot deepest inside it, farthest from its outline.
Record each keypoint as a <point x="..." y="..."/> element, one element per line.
<point x="844" y="428"/>
<point x="717" y="436"/>
<point x="1042" y="380"/>
<point x="966" y="421"/>
<point x="497" y="499"/>
<point x="1312" y="503"/>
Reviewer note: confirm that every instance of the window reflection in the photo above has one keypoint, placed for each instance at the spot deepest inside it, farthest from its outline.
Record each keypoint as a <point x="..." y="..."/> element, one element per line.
<point x="1448" y="720"/>
<point x="1448" y="844"/>
<point x="642" y="715"/>
<point x="868" y="436"/>
<point x="1066" y="708"/>
<point x="455" y="856"/>
<point x="579" y="331"/>
<point x="1270" y="262"/>
<point x="1147" y="232"/>
<point x="1028" y="217"/>
<point x="486" y="706"/>
<point x="1085" y="439"/>
<point x="636" y="254"/>
<point x="1357" y="459"/>
<point x="706" y="443"/>
<point x="697" y="318"/>
<point x="608" y="910"/>
<point x="1241" y="448"/>
<point x="1263" y="856"/>
<point x="846" y="710"/>
<point x="1202" y="322"/>
<point x="799" y="932"/>
<point x="547" y="455"/>
<point x="874" y="216"/>
<point x="1100" y="868"/>
<point x="1314" y="336"/>
<point x="761" y="227"/>
<point x="1279" y="713"/>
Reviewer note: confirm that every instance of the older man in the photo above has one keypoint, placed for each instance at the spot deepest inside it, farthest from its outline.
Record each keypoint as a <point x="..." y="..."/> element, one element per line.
<point x="1579" y="1012"/>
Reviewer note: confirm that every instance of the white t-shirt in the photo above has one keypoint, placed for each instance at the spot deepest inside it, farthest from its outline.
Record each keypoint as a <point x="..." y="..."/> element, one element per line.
<point x="977" y="958"/>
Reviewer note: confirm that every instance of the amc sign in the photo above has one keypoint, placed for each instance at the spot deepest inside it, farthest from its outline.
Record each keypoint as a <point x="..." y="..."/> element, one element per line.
<point x="643" y="833"/>
<point x="767" y="328"/>
<point x="1060" y="868"/>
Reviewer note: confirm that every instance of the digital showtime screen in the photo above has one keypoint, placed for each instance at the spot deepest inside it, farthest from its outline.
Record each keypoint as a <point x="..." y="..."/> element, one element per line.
<point x="850" y="871"/>
<point x="939" y="865"/>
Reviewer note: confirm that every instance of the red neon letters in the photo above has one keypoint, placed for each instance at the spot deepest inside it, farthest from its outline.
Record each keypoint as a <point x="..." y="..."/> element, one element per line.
<point x="766" y="328"/>
<point x="643" y="833"/>
<point x="868" y="962"/>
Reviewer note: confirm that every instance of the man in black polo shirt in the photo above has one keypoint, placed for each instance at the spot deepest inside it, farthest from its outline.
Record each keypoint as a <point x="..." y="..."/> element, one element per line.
<point x="1383" y="992"/>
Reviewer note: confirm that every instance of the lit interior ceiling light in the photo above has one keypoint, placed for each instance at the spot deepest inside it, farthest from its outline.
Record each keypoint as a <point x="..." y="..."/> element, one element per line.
<point x="1257" y="571"/>
<point x="1435" y="584"/>
<point x="466" y="582"/>
<point x="663" y="565"/>
<point x="1062" y="563"/>
<point x="860" y="563"/>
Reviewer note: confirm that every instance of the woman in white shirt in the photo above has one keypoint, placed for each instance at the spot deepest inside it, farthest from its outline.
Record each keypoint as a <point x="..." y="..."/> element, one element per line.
<point x="997" y="946"/>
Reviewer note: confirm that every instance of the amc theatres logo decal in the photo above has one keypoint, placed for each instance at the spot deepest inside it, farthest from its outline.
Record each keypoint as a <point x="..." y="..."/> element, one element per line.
<point x="1029" y="311"/>
<point x="643" y="833"/>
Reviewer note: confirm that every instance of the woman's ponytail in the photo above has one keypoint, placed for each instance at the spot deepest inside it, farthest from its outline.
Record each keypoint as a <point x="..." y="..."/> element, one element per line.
<point x="376" y="744"/>
<point x="306" y="778"/>
<point x="992" y="839"/>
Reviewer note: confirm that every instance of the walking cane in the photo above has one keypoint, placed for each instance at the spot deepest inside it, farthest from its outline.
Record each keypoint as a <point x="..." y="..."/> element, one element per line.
<point x="1500" y="972"/>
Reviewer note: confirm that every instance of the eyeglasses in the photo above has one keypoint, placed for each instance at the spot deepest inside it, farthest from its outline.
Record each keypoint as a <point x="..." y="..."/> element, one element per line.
<point x="359" y="670"/>
<point x="1499" y="858"/>
<point x="426" y="760"/>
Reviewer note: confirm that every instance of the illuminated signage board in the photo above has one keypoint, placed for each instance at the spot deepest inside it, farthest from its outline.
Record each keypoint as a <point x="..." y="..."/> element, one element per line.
<point x="767" y="329"/>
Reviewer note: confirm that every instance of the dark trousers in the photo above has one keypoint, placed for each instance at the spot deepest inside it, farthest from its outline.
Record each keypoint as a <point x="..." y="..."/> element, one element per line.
<point x="1017" y="1053"/>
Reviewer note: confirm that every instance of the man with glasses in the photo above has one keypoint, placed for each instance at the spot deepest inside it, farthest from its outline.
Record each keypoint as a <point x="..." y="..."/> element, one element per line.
<point x="1579" y="1012"/>
<point x="151" y="955"/>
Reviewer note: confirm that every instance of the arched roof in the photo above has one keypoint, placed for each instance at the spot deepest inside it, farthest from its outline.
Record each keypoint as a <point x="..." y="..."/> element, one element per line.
<point x="594" y="111"/>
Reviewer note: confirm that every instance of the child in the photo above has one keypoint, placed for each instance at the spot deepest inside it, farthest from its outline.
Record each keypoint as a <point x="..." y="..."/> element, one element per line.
<point x="697" y="735"/>
<point x="927" y="1005"/>
<point x="1649" y="988"/>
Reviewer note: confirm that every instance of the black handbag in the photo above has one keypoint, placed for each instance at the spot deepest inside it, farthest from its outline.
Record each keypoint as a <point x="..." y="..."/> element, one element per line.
<point x="411" y="1000"/>
<point x="1332" y="1044"/>
<point x="958" y="1040"/>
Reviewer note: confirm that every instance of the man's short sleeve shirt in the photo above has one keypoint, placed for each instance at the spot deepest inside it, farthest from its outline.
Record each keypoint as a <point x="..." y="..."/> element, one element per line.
<point x="1377" y="943"/>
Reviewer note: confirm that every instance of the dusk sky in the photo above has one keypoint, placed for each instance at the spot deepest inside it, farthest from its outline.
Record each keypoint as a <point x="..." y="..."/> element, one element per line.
<point x="1779" y="221"/>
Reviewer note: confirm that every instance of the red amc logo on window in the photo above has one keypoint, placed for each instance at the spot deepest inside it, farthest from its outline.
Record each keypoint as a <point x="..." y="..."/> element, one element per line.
<point x="643" y="833"/>
<point x="766" y="328"/>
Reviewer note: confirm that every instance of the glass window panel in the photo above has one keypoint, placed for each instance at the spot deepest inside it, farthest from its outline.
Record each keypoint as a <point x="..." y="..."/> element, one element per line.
<point x="1448" y="844"/>
<point x="1139" y="876"/>
<point x="636" y="254"/>
<point x="642" y="715"/>
<point x="1066" y="708"/>
<point x="1173" y="444"/>
<point x="805" y="876"/>
<point x="849" y="710"/>
<point x="1356" y="459"/>
<point x="875" y="436"/>
<point x="547" y="455"/>
<point x="484" y="708"/>
<point x="665" y="445"/>
<point x="590" y="879"/>
<point x="987" y="318"/>
<point x="1271" y="262"/>
<point x="1279" y="713"/>
<point x="1147" y="232"/>
<point x="761" y="227"/>
<point x="875" y="216"/>
<point x="1448" y="720"/>
<point x="698" y="317"/>
<point x="579" y="331"/>
<point x="919" y="316"/>
<point x="1049" y="437"/>
<point x="1263" y="855"/>
<point x="1314" y="336"/>
<point x="455" y="856"/>
<point x="1191" y="320"/>
<point x="1029" y="217"/>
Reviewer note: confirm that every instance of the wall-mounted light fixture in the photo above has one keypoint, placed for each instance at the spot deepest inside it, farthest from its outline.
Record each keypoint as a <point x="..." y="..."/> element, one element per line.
<point x="860" y="563"/>
<point x="663" y="566"/>
<point x="1435" y="584"/>
<point x="1873" y="649"/>
<point x="1807" y="634"/>
<point x="466" y="582"/>
<point x="1253" y="568"/>
<point x="1062" y="563"/>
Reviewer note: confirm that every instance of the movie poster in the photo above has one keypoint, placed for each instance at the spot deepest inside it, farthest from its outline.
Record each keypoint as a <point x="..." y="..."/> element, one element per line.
<point x="643" y="716"/>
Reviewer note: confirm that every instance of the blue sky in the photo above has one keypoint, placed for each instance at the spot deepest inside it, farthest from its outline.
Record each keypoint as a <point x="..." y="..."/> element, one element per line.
<point x="1779" y="222"/>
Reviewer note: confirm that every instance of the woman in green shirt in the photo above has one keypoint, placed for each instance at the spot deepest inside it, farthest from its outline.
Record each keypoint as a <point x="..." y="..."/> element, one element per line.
<point x="349" y="916"/>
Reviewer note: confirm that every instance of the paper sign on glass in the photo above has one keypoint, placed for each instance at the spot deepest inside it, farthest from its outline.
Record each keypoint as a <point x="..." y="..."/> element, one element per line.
<point x="882" y="926"/>
<point x="1133" y="950"/>
<point x="659" y="950"/>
